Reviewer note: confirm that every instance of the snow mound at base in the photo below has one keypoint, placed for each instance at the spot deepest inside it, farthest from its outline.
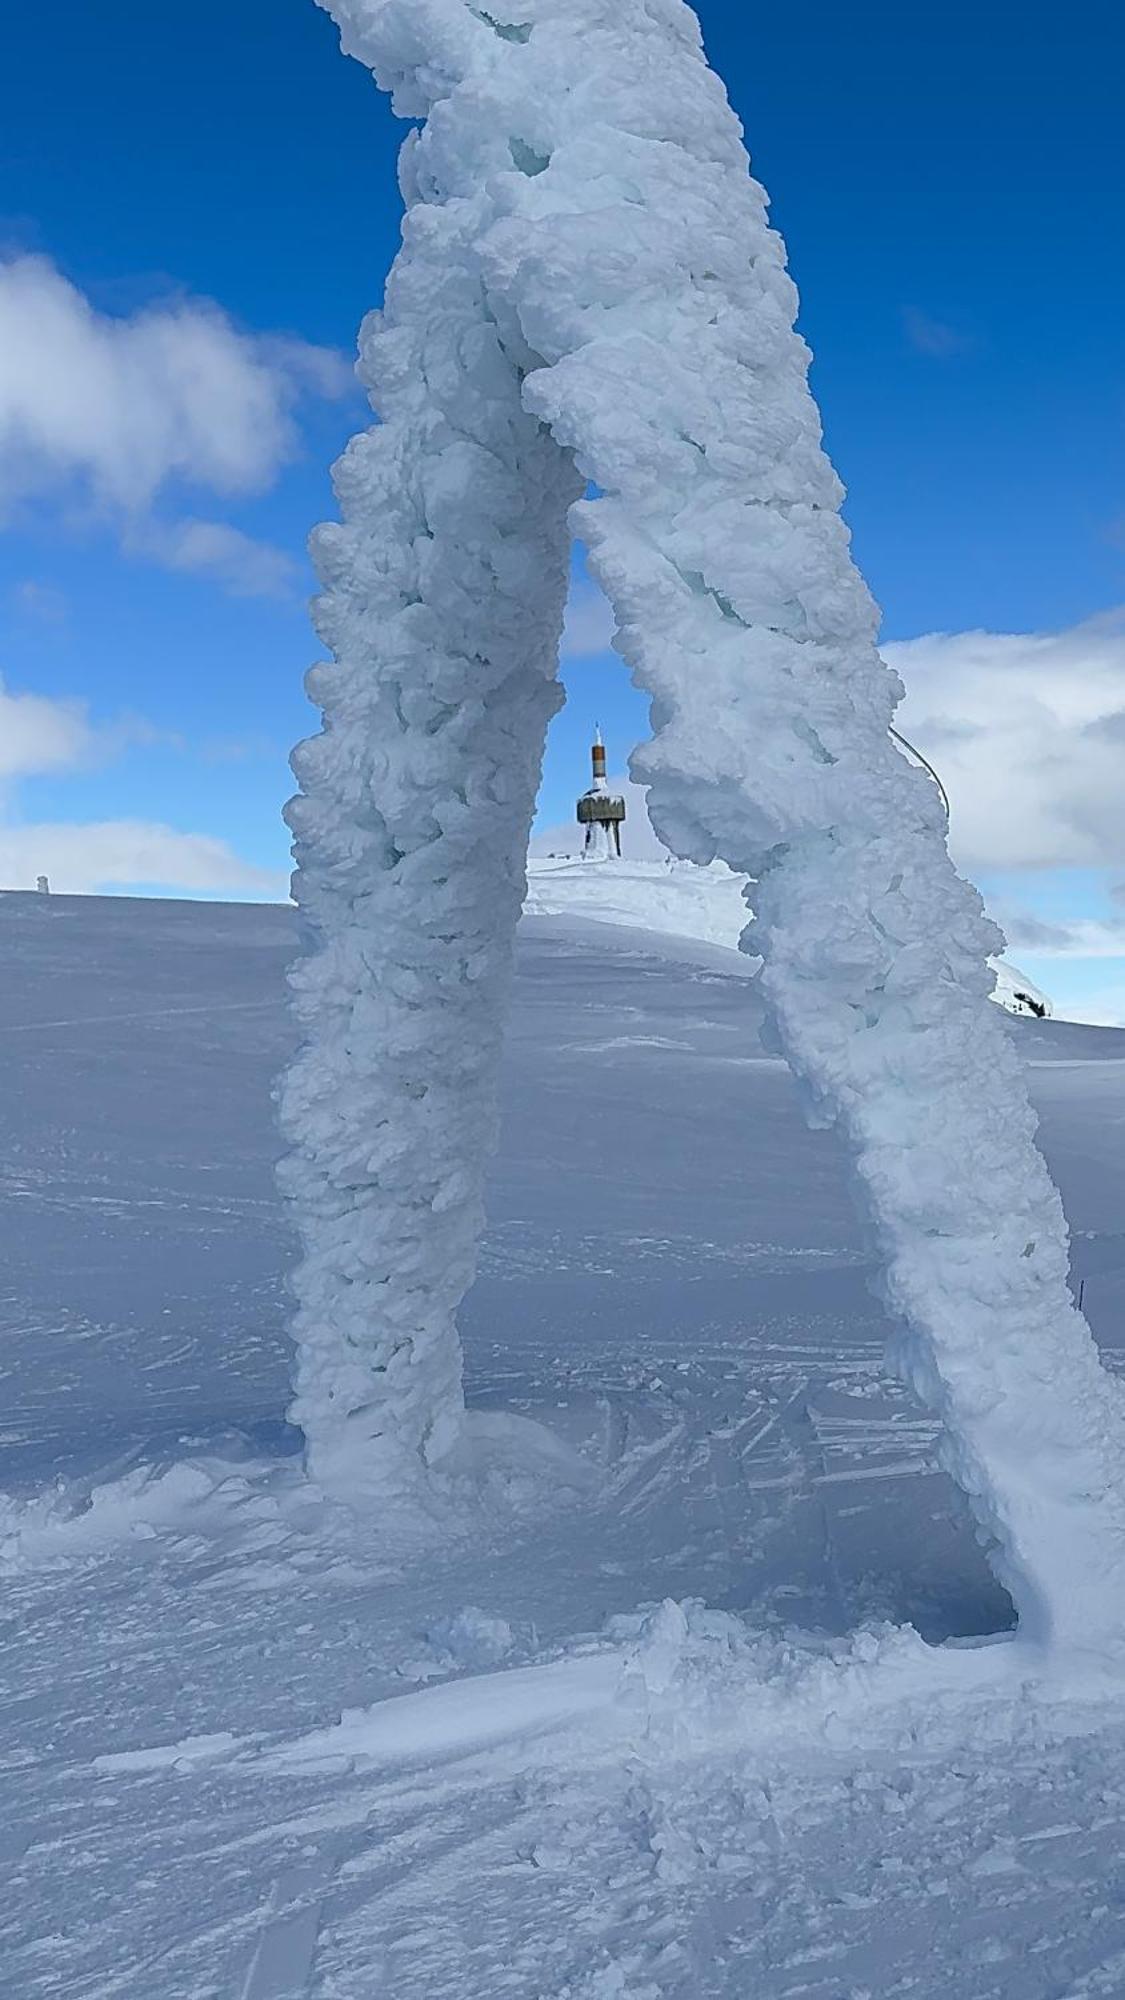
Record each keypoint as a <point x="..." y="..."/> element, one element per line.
<point x="504" y="1466"/>
<point x="708" y="905"/>
<point x="682" y="1680"/>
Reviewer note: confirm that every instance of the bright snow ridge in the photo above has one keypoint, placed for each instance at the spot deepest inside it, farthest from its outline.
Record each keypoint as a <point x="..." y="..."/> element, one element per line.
<point x="586" y="260"/>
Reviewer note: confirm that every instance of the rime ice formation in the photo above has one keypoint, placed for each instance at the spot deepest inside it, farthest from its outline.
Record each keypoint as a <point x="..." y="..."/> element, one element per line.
<point x="580" y="211"/>
<point x="444" y="592"/>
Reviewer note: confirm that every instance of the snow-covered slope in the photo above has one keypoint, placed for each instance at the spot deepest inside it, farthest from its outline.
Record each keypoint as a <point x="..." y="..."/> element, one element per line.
<point x="549" y="1783"/>
<point x="674" y="898"/>
<point x="1018" y="994"/>
<point x="685" y="901"/>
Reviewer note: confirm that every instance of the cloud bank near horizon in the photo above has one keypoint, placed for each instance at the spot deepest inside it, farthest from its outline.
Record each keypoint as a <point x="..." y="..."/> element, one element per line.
<point x="41" y="736"/>
<point x="102" y="856"/>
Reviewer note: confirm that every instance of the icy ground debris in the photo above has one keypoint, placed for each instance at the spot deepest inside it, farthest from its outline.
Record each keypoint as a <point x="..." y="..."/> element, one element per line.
<point x="589" y="299"/>
<point x="675" y="1740"/>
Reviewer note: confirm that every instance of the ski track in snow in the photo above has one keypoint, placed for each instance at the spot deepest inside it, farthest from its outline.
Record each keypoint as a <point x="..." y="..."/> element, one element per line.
<point x="148" y="1016"/>
<point x="184" y="1624"/>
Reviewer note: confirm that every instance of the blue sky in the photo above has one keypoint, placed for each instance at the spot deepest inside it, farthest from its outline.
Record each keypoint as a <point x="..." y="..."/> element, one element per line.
<point x="951" y="184"/>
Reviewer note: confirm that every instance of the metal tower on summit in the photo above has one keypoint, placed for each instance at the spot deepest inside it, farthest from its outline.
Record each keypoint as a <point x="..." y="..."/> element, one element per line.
<point x="600" y="812"/>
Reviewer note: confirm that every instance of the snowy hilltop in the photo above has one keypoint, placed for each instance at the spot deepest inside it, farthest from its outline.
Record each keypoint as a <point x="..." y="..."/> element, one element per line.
<point x="682" y="900"/>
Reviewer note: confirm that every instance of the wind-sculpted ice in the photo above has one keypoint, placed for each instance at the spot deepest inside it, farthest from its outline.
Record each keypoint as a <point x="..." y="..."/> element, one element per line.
<point x="444" y="593"/>
<point x="589" y="297"/>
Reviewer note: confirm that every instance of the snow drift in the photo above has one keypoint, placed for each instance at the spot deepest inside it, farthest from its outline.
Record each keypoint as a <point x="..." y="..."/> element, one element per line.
<point x="589" y="294"/>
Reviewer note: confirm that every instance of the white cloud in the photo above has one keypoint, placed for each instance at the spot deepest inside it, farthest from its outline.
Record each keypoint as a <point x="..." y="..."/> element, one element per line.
<point x="122" y="406"/>
<point x="933" y="337"/>
<point x="243" y="566"/>
<point x="258" y="747"/>
<point x="1072" y="937"/>
<point x="84" y="859"/>
<point x="41" y="734"/>
<point x="41" y="601"/>
<point x="318" y="371"/>
<point x="1027" y="731"/>
<point x="589" y="622"/>
<point x="38" y="734"/>
<point x="108" y="414"/>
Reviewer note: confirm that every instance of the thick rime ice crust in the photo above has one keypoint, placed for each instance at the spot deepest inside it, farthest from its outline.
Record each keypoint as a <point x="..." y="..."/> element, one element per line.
<point x="580" y="211"/>
<point x="444" y="591"/>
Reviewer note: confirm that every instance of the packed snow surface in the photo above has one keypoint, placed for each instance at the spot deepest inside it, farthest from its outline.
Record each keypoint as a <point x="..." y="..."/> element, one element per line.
<point x="660" y="1709"/>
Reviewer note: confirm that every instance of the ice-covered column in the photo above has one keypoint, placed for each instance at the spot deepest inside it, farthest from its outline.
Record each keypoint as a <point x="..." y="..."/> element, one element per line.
<point x="618" y="221"/>
<point x="444" y="590"/>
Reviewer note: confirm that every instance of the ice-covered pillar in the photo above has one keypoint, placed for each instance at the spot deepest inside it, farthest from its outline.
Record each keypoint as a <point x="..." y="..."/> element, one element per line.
<point x="616" y="221"/>
<point x="443" y="600"/>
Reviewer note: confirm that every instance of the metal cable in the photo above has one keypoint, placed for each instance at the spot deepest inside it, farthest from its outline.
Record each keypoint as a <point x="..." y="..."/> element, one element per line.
<point x="926" y="766"/>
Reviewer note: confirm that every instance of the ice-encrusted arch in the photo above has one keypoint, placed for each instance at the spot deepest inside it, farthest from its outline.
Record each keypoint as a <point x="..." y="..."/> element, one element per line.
<point x="582" y="229"/>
